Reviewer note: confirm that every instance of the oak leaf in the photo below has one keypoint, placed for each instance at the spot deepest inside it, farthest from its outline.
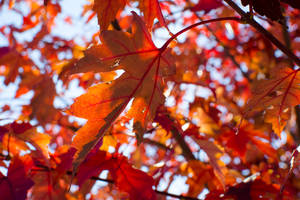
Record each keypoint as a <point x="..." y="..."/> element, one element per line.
<point x="144" y="66"/>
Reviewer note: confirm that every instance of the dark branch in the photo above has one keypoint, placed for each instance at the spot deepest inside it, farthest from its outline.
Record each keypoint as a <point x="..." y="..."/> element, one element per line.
<point x="42" y="168"/>
<point x="247" y="18"/>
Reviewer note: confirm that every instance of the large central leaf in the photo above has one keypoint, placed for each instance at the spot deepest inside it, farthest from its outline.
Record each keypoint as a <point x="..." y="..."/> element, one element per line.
<point x="144" y="66"/>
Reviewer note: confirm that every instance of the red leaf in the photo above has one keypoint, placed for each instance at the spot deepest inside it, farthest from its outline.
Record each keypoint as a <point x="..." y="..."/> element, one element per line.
<point x="136" y="183"/>
<point x="3" y="130"/>
<point x="133" y="181"/>
<point x="93" y="165"/>
<point x="237" y="141"/>
<point x="19" y="128"/>
<point x="206" y="5"/>
<point x="4" y="50"/>
<point x="15" y="185"/>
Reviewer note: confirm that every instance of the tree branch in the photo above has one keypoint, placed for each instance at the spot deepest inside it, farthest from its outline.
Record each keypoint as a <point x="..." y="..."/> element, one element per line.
<point x="157" y="144"/>
<point x="186" y="151"/>
<point x="42" y="168"/>
<point x="247" y="18"/>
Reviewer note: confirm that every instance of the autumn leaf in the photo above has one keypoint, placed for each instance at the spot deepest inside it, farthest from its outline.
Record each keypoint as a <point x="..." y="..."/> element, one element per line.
<point x="13" y="60"/>
<point x="107" y="11"/>
<point x="50" y="179"/>
<point x="206" y="5"/>
<point x="276" y="96"/>
<point x="144" y="66"/>
<point x="93" y="165"/>
<point x="136" y="183"/>
<point x="200" y="176"/>
<point x="152" y="10"/>
<point x="256" y="189"/>
<point x="42" y="101"/>
<point x="15" y="185"/>
<point x="207" y="115"/>
<point x="20" y="134"/>
<point x="19" y="128"/>
<point x="214" y="153"/>
<point x="247" y="134"/>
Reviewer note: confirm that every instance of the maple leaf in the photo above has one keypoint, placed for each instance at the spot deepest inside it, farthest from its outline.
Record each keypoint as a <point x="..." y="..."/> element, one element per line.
<point x="93" y="165"/>
<point x="13" y="60"/>
<point x="152" y="10"/>
<point x="52" y="184"/>
<point x="276" y="95"/>
<point x="256" y="189"/>
<point x="206" y="115"/>
<point x="207" y="5"/>
<point x="246" y="134"/>
<point x="107" y="10"/>
<point x="144" y="67"/>
<point x="200" y="176"/>
<point x="136" y="183"/>
<point x="15" y="185"/>
<point x="42" y="101"/>
<point x="214" y="153"/>
<point x="20" y="134"/>
<point x="19" y="128"/>
<point x="48" y="187"/>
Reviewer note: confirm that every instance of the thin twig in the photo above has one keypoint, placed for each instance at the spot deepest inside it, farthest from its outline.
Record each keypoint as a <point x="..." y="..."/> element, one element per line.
<point x="42" y="168"/>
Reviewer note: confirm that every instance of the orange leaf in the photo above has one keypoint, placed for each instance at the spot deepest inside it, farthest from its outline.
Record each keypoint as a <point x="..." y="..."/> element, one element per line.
<point x="276" y="96"/>
<point x="144" y="67"/>
<point x="152" y="10"/>
<point x="107" y="11"/>
<point x="214" y="153"/>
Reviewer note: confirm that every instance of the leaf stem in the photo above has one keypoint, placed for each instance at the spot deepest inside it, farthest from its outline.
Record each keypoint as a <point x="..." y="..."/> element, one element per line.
<point x="195" y="25"/>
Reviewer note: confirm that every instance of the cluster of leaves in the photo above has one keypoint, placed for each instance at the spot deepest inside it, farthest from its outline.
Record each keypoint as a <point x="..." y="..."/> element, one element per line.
<point x="215" y="111"/>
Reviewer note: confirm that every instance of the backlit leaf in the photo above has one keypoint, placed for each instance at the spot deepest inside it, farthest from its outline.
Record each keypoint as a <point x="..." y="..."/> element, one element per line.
<point x="276" y="96"/>
<point x="144" y="66"/>
<point x="15" y="185"/>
